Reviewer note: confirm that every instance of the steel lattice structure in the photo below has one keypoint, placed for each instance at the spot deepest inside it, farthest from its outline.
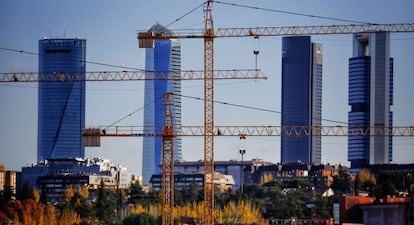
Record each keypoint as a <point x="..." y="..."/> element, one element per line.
<point x="258" y="131"/>
<point x="138" y="75"/>
<point x="167" y="167"/>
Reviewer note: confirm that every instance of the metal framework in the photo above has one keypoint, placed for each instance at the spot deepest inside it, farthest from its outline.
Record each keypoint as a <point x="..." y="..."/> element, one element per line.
<point x="208" y="115"/>
<point x="137" y="75"/>
<point x="260" y="131"/>
<point x="167" y="170"/>
<point x="284" y="31"/>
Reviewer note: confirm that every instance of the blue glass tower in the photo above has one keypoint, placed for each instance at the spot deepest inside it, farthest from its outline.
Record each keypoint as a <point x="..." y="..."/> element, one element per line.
<point x="61" y="107"/>
<point x="301" y="97"/>
<point x="164" y="56"/>
<point x="370" y="97"/>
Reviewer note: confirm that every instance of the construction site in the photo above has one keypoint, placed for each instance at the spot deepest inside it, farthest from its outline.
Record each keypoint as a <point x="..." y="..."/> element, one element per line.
<point x="214" y="118"/>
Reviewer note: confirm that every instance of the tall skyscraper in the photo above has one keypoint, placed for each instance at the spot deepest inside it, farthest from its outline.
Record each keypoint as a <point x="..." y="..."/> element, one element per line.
<point x="164" y="56"/>
<point x="370" y="98"/>
<point x="301" y="97"/>
<point x="61" y="107"/>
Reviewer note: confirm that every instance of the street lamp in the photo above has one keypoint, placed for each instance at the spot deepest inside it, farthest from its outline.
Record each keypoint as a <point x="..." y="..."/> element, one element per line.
<point x="242" y="151"/>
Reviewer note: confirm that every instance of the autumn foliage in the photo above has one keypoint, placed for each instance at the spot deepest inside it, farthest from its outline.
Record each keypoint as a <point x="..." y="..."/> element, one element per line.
<point x="31" y="212"/>
<point x="240" y="212"/>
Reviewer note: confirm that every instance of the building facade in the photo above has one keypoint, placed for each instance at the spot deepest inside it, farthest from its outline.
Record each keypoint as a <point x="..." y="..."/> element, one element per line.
<point x="370" y="97"/>
<point x="164" y="56"/>
<point x="301" y="97"/>
<point x="61" y="107"/>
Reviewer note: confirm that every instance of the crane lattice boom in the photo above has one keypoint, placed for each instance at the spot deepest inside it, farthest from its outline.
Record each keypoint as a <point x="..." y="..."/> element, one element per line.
<point x="231" y="131"/>
<point x="129" y="75"/>
<point x="283" y="31"/>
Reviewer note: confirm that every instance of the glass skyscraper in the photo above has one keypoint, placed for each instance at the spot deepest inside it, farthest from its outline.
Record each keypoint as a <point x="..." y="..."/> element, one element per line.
<point x="301" y="97"/>
<point x="61" y="104"/>
<point x="370" y="98"/>
<point x="164" y="56"/>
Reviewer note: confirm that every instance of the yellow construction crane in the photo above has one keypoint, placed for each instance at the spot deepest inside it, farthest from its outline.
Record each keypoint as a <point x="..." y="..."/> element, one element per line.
<point x="209" y="34"/>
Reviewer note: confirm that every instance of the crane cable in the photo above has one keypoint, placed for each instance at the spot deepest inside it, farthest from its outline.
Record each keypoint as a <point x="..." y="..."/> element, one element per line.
<point x="292" y="13"/>
<point x="255" y="108"/>
<point x="82" y="61"/>
<point x="186" y="14"/>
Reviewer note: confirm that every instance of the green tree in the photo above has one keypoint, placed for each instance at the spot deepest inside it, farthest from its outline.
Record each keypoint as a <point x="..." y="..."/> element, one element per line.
<point x="138" y="196"/>
<point x="389" y="184"/>
<point x="342" y="182"/>
<point x="139" y="219"/>
<point x="44" y="196"/>
<point x="105" y="205"/>
<point x="296" y="204"/>
<point x="27" y="192"/>
<point x="6" y="194"/>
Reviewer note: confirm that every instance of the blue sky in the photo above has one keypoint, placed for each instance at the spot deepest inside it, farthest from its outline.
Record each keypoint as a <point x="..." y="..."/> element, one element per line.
<point x="110" y="29"/>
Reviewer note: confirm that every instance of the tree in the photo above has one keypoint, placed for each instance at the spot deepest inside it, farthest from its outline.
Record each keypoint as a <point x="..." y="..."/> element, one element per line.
<point x="389" y="184"/>
<point x="44" y="196"/>
<point x="105" y="205"/>
<point x="6" y="195"/>
<point x="365" y="180"/>
<point x="138" y="196"/>
<point x="342" y="182"/>
<point x="27" y="192"/>
<point x="139" y="219"/>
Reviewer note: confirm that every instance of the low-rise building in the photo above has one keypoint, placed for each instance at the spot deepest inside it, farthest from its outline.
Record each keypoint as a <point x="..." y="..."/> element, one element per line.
<point x="319" y="175"/>
<point x="56" y="176"/>
<point x="185" y="181"/>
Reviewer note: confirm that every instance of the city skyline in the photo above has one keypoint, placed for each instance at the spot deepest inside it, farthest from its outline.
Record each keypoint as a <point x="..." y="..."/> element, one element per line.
<point x="112" y="40"/>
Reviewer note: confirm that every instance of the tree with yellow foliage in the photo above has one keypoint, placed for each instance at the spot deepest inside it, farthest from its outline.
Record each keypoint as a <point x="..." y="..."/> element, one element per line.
<point x="240" y="212"/>
<point x="366" y="181"/>
<point x="267" y="177"/>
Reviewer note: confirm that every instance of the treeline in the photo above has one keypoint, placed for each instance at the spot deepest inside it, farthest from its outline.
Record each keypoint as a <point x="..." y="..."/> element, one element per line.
<point x="272" y="199"/>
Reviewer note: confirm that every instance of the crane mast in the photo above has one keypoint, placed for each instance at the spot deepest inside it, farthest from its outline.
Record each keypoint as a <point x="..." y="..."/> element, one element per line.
<point x="167" y="166"/>
<point x="208" y="115"/>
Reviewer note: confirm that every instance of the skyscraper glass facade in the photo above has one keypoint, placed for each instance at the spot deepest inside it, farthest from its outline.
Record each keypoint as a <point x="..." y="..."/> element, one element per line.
<point x="301" y="97"/>
<point x="164" y="56"/>
<point x="61" y="107"/>
<point x="370" y="97"/>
